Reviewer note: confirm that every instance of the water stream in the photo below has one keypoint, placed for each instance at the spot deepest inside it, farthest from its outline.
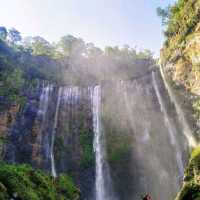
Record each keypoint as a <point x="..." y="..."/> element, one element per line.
<point x="103" y="185"/>
<point x="170" y="127"/>
<point x="53" y="168"/>
<point x="186" y="129"/>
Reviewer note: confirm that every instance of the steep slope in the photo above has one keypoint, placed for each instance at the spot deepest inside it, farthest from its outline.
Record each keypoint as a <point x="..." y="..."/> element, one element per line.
<point x="180" y="58"/>
<point x="180" y="64"/>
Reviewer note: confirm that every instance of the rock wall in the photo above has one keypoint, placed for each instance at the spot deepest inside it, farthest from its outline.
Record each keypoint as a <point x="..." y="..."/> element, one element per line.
<point x="7" y="119"/>
<point x="140" y="125"/>
<point x="182" y="70"/>
<point x="30" y="136"/>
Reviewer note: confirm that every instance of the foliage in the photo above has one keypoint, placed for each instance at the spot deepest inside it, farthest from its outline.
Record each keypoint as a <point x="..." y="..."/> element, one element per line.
<point x="180" y="20"/>
<point x="14" y="36"/>
<point x="64" y="182"/>
<point x="191" y="187"/>
<point x="11" y="85"/>
<point x="41" y="47"/>
<point x="119" y="147"/>
<point x="164" y="14"/>
<point x="3" y="33"/>
<point x="86" y="141"/>
<point x="3" y="140"/>
<point x="196" y="107"/>
<point x="24" y="61"/>
<point x="23" y="183"/>
<point x="70" y="45"/>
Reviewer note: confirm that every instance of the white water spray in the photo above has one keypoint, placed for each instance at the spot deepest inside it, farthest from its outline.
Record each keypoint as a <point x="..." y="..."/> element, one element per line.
<point x="171" y="129"/>
<point x="43" y="106"/>
<point x="103" y="183"/>
<point x="186" y="129"/>
<point x="98" y="147"/>
<point x="44" y="100"/>
<point x="53" y="168"/>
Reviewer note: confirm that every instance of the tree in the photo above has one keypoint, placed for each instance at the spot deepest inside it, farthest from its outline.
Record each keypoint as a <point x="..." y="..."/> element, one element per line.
<point x="93" y="51"/>
<point x="145" y="54"/>
<point x="110" y="51"/>
<point x="40" y="46"/>
<point x="164" y="14"/>
<point x="70" y="45"/>
<point x="14" y="36"/>
<point x="3" y="33"/>
<point x="27" y="44"/>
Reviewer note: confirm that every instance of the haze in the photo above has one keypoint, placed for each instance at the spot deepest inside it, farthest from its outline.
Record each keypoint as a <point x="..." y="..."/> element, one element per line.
<point x="103" y="22"/>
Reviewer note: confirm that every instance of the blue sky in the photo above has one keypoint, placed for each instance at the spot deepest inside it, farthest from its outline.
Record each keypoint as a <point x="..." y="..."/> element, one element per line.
<point x="103" y="22"/>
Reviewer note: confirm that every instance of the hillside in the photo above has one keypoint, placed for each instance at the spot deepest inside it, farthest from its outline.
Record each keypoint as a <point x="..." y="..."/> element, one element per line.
<point x="180" y="62"/>
<point x="180" y="56"/>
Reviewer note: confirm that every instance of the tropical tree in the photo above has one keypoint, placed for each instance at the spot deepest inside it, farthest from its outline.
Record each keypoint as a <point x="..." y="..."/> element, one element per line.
<point x="14" y="36"/>
<point x="3" y="33"/>
<point x="164" y="14"/>
<point x="70" y="45"/>
<point x="40" y="46"/>
<point x="93" y="51"/>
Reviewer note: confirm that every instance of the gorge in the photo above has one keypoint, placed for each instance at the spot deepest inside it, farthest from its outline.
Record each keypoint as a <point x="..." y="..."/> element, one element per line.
<point x="81" y="123"/>
<point x="119" y="139"/>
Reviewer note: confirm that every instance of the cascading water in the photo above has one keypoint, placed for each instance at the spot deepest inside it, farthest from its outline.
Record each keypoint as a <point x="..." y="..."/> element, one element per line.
<point x="143" y="119"/>
<point x="171" y="129"/>
<point x="100" y="190"/>
<point x="43" y="106"/>
<point x="44" y="99"/>
<point x="136" y="135"/>
<point x="53" y="168"/>
<point x="186" y="129"/>
<point x="103" y="187"/>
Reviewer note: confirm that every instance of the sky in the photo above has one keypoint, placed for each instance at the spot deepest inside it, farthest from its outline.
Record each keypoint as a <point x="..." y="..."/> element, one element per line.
<point x="102" y="22"/>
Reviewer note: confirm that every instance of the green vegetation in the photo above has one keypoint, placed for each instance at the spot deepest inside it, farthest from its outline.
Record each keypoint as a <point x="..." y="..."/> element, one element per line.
<point x="21" y="182"/>
<point x="3" y="140"/>
<point x="119" y="147"/>
<point x="25" y="61"/>
<point x="180" y="53"/>
<point x="86" y="141"/>
<point x="191" y="186"/>
<point x="196" y="107"/>
<point x="180" y="20"/>
<point x="12" y="84"/>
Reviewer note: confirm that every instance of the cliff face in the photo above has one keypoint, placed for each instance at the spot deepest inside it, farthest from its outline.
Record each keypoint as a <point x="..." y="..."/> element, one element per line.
<point x="180" y="58"/>
<point x="184" y="65"/>
<point x="53" y="131"/>
<point x="131" y="112"/>
<point x="7" y="119"/>
<point x="180" y="62"/>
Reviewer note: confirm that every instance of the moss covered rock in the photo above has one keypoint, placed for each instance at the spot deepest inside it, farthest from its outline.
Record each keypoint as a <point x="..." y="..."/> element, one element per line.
<point x="21" y="182"/>
<point x="191" y="186"/>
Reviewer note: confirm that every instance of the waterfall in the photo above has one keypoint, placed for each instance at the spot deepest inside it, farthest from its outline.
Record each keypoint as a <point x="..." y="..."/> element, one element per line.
<point x="186" y="129"/>
<point x="171" y="129"/>
<point x="53" y="168"/>
<point x="44" y="100"/>
<point x="103" y="186"/>
<point x="98" y="147"/>
<point x="42" y="111"/>
<point x="131" y="126"/>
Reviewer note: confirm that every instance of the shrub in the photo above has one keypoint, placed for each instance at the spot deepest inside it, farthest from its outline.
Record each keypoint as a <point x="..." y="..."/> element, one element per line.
<point x="23" y="183"/>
